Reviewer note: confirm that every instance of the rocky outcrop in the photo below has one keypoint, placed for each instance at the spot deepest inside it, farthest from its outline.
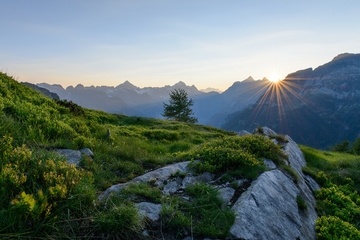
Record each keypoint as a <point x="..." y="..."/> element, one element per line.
<point x="265" y="209"/>
<point x="268" y="209"/>
<point x="159" y="176"/>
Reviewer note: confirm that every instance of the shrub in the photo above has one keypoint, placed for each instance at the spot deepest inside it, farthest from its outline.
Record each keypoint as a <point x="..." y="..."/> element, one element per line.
<point x="241" y="154"/>
<point x="34" y="187"/>
<point x="339" y="201"/>
<point x="279" y="138"/>
<point x="301" y="203"/>
<point x="341" y="147"/>
<point x="73" y="107"/>
<point x="330" y="227"/>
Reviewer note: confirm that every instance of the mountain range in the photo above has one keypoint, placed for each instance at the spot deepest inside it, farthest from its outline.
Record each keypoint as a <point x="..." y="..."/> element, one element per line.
<point x="317" y="107"/>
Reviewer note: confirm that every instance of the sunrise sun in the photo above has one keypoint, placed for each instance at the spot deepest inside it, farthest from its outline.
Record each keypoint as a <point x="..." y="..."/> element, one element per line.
<point x="274" y="78"/>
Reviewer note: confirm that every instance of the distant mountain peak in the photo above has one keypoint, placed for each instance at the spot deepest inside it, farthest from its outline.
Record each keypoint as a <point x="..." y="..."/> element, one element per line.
<point x="126" y="84"/>
<point x="265" y="79"/>
<point x="179" y="84"/>
<point x="250" y="78"/>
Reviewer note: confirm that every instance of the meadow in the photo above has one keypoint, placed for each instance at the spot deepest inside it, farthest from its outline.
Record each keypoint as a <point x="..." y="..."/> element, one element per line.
<point x="44" y="197"/>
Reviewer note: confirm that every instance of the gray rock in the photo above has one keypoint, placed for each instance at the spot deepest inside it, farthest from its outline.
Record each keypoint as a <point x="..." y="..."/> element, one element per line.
<point x="72" y="156"/>
<point x="206" y="177"/>
<point x="268" y="209"/>
<point x="171" y="187"/>
<point x="188" y="181"/>
<point x="296" y="157"/>
<point x="160" y="175"/>
<point x="297" y="162"/>
<point x="314" y="186"/>
<point x="226" y="194"/>
<point x="267" y="131"/>
<point x="149" y="210"/>
<point x="269" y="164"/>
<point x="241" y="182"/>
<point x="87" y="151"/>
<point x="243" y="133"/>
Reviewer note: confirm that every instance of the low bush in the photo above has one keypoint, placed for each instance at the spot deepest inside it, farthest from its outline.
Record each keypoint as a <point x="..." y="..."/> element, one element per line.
<point x="35" y="187"/>
<point x="337" y="202"/>
<point x="330" y="227"/>
<point x="241" y="154"/>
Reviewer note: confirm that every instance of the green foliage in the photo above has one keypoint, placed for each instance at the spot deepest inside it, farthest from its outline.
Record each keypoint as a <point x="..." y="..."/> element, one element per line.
<point x="241" y="154"/>
<point x="341" y="147"/>
<point x="280" y="138"/>
<point x="161" y="135"/>
<point x="35" y="187"/>
<point x="336" y="166"/>
<point x="118" y="220"/>
<point x="346" y="146"/>
<point x="330" y="227"/>
<point x="73" y="107"/>
<point x="203" y="215"/>
<point x="340" y="201"/>
<point x="301" y="203"/>
<point x="43" y="196"/>
<point x="355" y="147"/>
<point x="337" y="202"/>
<point x="179" y="107"/>
<point x="141" y="192"/>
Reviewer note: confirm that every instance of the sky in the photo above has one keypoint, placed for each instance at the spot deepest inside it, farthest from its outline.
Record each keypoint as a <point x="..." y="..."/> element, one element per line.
<point x="206" y="43"/>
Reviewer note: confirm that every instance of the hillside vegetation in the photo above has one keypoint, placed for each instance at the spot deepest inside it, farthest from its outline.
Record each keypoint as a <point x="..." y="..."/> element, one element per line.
<point x="43" y="196"/>
<point x="338" y="201"/>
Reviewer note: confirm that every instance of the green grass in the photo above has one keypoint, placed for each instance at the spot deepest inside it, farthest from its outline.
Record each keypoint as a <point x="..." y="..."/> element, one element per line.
<point x="338" y="201"/>
<point x="203" y="215"/>
<point x="337" y="166"/>
<point x="42" y="196"/>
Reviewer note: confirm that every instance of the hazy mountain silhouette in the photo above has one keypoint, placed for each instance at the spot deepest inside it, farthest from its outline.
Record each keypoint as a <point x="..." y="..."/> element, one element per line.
<point x="316" y="107"/>
<point x="210" y="108"/>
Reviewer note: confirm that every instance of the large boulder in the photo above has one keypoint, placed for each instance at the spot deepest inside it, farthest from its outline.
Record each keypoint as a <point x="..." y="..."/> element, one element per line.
<point x="268" y="209"/>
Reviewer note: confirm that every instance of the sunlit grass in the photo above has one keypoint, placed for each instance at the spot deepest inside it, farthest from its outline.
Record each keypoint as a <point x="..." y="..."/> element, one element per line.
<point x="337" y="166"/>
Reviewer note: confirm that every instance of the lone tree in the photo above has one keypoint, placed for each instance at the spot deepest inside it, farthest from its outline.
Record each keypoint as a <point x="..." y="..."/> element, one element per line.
<point x="179" y="107"/>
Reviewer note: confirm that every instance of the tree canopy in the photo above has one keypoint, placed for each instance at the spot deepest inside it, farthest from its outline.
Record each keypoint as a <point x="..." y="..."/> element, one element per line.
<point x="179" y="107"/>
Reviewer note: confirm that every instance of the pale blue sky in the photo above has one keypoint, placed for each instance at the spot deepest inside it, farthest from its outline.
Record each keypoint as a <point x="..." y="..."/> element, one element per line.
<point x="156" y="42"/>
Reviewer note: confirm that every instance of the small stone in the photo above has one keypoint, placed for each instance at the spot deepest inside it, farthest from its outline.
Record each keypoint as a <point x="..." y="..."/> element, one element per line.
<point x="269" y="164"/>
<point x="72" y="156"/>
<point x="149" y="210"/>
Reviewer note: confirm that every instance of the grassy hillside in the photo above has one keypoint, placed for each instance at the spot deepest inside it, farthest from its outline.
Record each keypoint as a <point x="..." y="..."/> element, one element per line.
<point x="43" y="196"/>
<point x="338" y="201"/>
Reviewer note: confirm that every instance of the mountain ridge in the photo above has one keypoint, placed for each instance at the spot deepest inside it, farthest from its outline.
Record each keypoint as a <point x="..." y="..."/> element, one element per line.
<point x="321" y="100"/>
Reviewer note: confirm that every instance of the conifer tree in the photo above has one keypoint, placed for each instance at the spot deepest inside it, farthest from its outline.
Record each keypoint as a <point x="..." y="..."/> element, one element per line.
<point x="179" y="107"/>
